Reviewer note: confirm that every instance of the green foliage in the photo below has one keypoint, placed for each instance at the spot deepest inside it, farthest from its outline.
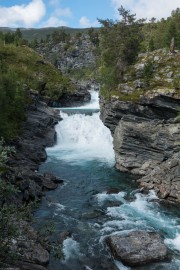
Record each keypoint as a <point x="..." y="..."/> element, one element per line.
<point x="12" y="37"/>
<point x="12" y="102"/>
<point x="4" y="152"/>
<point x="148" y="72"/>
<point x="121" y="41"/>
<point x="158" y="34"/>
<point x="84" y="73"/>
<point x="176" y="83"/>
<point x="60" y="36"/>
<point x="94" y="36"/>
<point x="151" y="45"/>
<point x="120" y="44"/>
<point x="30" y="69"/>
<point x="8" y="213"/>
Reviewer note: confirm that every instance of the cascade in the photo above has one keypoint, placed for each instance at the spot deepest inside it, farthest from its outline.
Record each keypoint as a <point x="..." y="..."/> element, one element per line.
<point x="84" y="156"/>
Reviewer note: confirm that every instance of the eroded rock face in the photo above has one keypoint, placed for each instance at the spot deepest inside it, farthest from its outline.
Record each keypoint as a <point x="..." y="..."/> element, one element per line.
<point x="144" y="126"/>
<point x="160" y="107"/>
<point x="137" y="248"/>
<point x="150" y="148"/>
<point x="37" y="133"/>
<point x="140" y="143"/>
<point x="75" y="99"/>
<point x="165" y="179"/>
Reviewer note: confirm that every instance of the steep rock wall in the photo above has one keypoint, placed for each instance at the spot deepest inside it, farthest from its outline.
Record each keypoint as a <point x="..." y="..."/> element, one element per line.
<point x="146" y="133"/>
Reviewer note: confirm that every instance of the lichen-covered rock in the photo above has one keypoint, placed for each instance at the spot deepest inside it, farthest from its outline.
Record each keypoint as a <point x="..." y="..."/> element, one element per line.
<point x="137" y="248"/>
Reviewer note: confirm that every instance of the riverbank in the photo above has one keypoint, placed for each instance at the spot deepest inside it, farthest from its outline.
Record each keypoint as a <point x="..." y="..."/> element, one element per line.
<point x="38" y="132"/>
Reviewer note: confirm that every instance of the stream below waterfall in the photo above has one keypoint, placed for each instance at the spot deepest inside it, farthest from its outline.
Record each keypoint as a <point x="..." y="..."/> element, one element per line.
<point x="83" y="156"/>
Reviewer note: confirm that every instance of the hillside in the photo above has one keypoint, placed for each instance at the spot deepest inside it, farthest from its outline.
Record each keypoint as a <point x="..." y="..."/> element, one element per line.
<point x="75" y="55"/>
<point x="41" y="33"/>
<point x="153" y="73"/>
<point x="23" y="71"/>
<point x="33" y="71"/>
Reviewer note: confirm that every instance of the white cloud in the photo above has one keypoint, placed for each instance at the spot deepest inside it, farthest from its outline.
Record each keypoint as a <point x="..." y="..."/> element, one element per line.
<point x="64" y="12"/>
<point x="85" y="22"/>
<point x="148" y="9"/>
<point x="22" y="15"/>
<point x="58" y="12"/>
<point x="54" y="2"/>
<point x="54" y="22"/>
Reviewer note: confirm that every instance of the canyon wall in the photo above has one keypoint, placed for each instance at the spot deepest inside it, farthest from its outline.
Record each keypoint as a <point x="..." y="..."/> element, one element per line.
<point x="146" y="130"/>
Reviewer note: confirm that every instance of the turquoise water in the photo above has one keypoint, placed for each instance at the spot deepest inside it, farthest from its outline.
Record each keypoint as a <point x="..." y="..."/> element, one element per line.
<point x="84" y="158"/>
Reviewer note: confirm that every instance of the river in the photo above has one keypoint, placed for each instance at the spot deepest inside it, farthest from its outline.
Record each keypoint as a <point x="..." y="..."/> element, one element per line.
<point x="96" y="200"/>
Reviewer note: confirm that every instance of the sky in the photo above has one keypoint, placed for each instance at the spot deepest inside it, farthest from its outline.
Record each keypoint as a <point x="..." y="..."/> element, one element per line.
<point x="77" y="13"/>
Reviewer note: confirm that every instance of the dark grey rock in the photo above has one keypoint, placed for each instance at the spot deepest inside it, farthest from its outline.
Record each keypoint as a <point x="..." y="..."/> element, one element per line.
<point x="137" y="248"/>
<point x="37" y="133"/>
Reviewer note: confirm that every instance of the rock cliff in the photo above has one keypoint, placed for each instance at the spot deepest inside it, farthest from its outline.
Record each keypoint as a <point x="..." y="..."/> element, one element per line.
<point x="78" y="53"/>
<point x="37" y="133"/>
<point x="142" y="116"/>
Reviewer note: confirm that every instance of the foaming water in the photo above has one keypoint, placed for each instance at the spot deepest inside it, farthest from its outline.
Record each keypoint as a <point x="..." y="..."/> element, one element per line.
<point x="86" y="206"/>
<point x="71" y="249"/>
<point x="174" y="243"/>
<point x="82" y="137"/>
<point x="141" y="213"/>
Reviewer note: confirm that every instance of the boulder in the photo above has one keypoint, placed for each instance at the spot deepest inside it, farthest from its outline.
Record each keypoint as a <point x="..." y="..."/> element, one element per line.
<point x="36" y="254"/>
<point x="137" y="248"/>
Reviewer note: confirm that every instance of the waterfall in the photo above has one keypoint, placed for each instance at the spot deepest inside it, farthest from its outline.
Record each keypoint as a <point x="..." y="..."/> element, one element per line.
<point x="82" y="137"/>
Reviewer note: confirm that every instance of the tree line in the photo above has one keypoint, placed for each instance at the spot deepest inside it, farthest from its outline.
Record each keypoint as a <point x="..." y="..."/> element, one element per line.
<point x="121" y="41"/>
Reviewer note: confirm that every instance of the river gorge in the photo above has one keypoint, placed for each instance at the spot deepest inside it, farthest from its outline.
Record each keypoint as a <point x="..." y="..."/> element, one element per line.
<point x="96" y="200"/>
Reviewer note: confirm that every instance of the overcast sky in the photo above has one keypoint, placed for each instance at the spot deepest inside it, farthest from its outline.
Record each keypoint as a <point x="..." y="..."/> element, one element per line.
<point x="77" y="13"/>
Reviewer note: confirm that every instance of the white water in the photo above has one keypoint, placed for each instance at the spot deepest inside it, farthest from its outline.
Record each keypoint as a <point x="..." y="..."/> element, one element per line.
<point x="81" y="138"/>
<point x="142" y="213"/>
<point x="71" y="249"/>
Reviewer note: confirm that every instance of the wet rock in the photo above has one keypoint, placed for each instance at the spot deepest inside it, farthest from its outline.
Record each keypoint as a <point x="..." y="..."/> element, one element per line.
<point x="49" y="184"/>
<point x="63" y="236"/>
<point x="36" y="254"/>
<point x="112" y="191"/>
<point x="137" y="248"/>
<point x="94" y="214"/>
<point x="53" y="178"/>
<point x="73" y="99"/>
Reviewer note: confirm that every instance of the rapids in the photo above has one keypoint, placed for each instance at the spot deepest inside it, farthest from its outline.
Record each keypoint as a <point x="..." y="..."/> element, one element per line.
<point x="84" y="157"/>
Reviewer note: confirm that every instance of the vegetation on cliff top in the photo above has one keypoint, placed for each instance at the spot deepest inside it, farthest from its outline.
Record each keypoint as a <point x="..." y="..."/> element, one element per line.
<point x="120" y="44"/>
<point x="21" y="69"/>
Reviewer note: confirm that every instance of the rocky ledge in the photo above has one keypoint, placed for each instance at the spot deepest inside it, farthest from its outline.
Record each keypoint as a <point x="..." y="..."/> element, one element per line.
<point x="146" y="130"/>
<point x="76" y="98"/>
<point x="22" y="171"/>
